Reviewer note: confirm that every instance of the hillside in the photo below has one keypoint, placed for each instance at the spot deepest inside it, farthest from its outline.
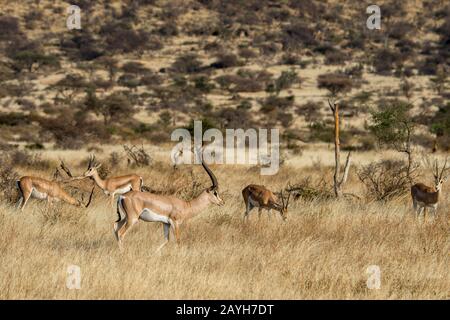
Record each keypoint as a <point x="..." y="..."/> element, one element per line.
<point x="138" y="69"/>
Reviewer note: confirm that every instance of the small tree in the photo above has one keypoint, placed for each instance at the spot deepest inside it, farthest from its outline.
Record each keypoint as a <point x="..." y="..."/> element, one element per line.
<point x="26" y="59"/>
<point x="109" y="64"/>
<point x="70" y="86"/>
<point x="116" y="106"/>
<point x="338" y="180"/>
<point x="284" y="81"/>
<point x="393" y="126"/>
<point x="440" y="80"/>
<point x="407" y="88"/>
<point x="440" y="124"/>
<point x="335" y="83"/>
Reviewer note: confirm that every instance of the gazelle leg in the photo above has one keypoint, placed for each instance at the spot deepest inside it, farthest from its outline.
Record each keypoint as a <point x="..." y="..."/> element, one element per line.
<point x="259" y="212"/>
<point x="419" y="211"/>
<point x="26" y="197"/>
<point x="415" y="206"/>
<point x="112" y="199"/>
<point x="248" y="208"/>
<point x="176" y="230"/>
<point x="124" y="229"/>
<point x="117" y="226"/>
<point x="435" y="211"/>
<point x="19" y="202"/>
<point x="166" y="227"/>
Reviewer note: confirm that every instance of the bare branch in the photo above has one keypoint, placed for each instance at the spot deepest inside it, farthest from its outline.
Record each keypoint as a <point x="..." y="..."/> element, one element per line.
<point x="346" y="169"/>
<point x="65" y="168"/>
<point x="332" y="106"/>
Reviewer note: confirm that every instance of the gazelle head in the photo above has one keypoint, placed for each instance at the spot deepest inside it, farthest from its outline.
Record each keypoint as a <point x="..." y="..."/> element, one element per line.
<point x="284" y="205"/>
<point x="213" y="191"/>
<point x="440" y="176"/>
<point x="92" y="167"/>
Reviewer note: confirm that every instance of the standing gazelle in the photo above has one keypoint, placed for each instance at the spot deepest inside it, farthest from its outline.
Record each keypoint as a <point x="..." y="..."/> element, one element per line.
<point x="262" y="198"/>
<point x="424" y="197"/>
<point x="169" y="210"/>
<point x="114" y="185"/>
<point x="42" y="189"/>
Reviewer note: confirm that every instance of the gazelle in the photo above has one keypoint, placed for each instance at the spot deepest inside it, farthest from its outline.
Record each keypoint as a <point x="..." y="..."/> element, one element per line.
<point x="424" y="197"/>
<point x="114" y="185"/>
<point x="169" y="210"/>
<point x="262" y="198"/>
<point x="42" y="189"/>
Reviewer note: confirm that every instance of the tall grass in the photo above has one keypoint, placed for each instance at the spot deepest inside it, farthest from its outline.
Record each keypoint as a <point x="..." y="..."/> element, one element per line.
<point x="321" y="252"/>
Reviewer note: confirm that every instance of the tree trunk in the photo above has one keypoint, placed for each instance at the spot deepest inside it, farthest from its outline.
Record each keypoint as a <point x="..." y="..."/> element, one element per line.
<point x="337" y="152"/>
<point x="338" y="181"/>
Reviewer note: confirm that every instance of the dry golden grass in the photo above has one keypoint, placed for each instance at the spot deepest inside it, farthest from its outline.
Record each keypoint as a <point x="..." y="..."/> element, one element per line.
<point x="321" y="252"/>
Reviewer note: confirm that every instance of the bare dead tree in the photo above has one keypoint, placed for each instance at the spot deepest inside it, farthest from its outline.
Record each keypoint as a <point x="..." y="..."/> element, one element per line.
<point x="65" y="168"/>
<point x="338" y="180"/>
<point x="137" y="155"/>
<point x="76" y="190"/>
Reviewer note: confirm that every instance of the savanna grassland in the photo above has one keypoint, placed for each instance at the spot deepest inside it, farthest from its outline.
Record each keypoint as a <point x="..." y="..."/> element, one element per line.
<point x="321" y="252"/>
<point x="136" y="70"/>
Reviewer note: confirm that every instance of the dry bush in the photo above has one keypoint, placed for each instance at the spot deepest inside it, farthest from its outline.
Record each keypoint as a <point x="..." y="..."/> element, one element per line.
<point x="188" y="63"/>
<point x="114" y="159"/>
<point x="310" y="110"/>
<point x="226" y="60"/>
<point x="386" y="60"/>
<point x="236" y="83"/>
<point x="66" y="134"/>
<point x="233" y="118"/>
<point x="8" y="178"/>
<point x="137" y="156"/>
<point x="385" y="180"/>
<point x="297" y="34"/>
<point x="308" y="190"/>
<point x="121" y="37"/>
<point x="14" y="119"/>
<point x="10" y="27"/>
<point x="27" y="159"/>
<point x="272" y="103"/>
<point x="336" y="57"/>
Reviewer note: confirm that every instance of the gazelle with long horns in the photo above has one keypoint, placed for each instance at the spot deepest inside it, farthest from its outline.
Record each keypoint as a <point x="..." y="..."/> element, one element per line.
<point x="423" y="196"/>
<point x="114" y="185"/>
<point x="42" y="189"/>
<point x="169" y="210"/>
<point x="262" y="198"/>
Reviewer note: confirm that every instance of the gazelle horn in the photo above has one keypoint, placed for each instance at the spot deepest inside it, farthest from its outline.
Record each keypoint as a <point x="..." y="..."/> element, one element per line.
<point x="215" y="185"/>
<point x="443" y="168"/>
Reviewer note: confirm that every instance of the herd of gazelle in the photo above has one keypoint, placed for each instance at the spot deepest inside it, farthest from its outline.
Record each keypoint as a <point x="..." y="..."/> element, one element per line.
<point x="133" y="204"/>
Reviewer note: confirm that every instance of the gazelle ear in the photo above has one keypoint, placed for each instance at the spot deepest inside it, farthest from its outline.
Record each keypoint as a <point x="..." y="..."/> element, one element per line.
<point x="98" y="166"/>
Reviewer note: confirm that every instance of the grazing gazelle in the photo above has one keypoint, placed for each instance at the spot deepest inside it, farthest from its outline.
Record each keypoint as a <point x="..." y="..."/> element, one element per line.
<point x="424" y="197"/>
<point x="261" y="197"/>
<point x="169" y="210"/>
<point x="43" y="189"/>
<point x="114" y="185"/>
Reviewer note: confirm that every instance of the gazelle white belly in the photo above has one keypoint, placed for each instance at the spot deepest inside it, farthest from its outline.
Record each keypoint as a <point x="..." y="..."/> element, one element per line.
<point x="422" y="204"/>
<point x="151" y="216"/>
<point x="123" y="190"/>
<point x="254" y="203"/>
<point x="38" y="195"/>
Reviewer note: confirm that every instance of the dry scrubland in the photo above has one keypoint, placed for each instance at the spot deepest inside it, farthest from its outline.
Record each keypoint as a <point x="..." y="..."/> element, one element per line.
<point x="322" y="251"/>
<point x="139" y="69"/>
